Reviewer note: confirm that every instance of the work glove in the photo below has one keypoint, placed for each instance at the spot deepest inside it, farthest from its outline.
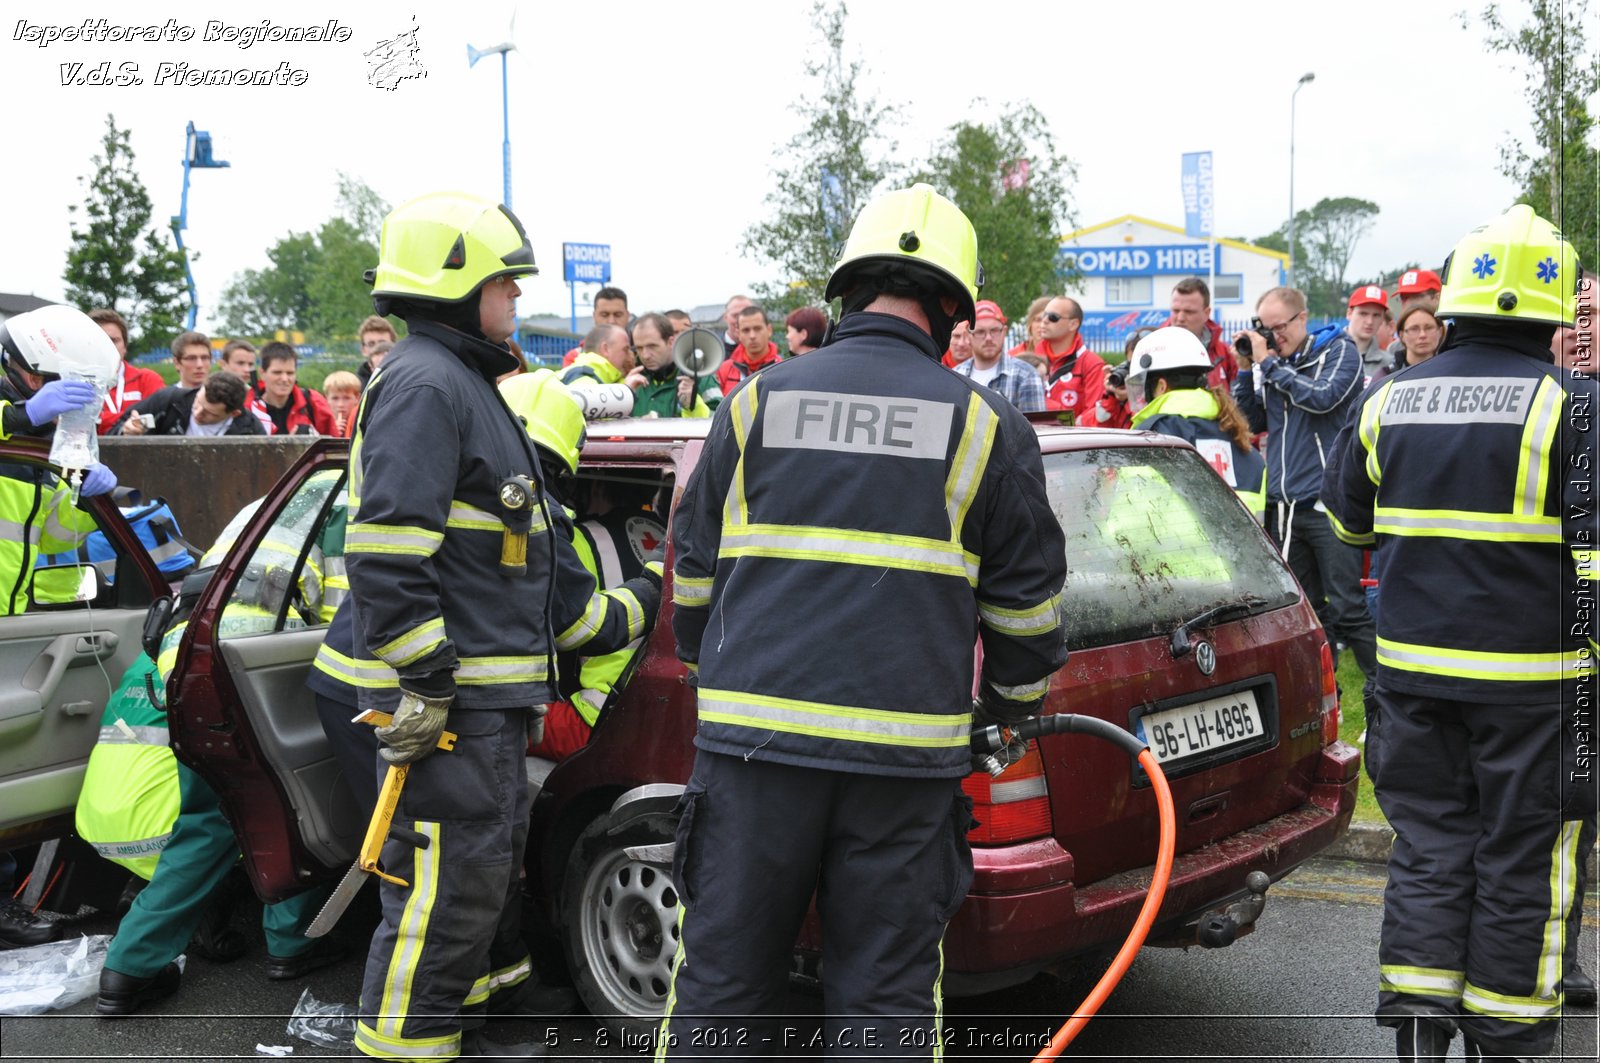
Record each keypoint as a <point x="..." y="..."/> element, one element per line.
<point x="418" y="722"/>
<point x="59" y="397"/>
<point x="536" y="724"/>
<point x="97" y="480"/>
<point x="990" y="708"/>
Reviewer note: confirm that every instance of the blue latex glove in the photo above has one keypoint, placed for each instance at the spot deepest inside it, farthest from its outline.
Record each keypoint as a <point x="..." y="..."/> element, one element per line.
<point x="97" y="480"/>
<point x="58" y="397"/>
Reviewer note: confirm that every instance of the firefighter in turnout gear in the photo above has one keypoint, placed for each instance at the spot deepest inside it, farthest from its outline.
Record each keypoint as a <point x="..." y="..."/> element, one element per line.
<point x="865" y="499"/>
<point x="1474" y="472"/>
<point x="454" y="584"/>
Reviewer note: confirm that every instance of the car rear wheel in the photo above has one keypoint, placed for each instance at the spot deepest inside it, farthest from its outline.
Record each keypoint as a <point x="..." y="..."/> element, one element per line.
<point x="621" y="922"/>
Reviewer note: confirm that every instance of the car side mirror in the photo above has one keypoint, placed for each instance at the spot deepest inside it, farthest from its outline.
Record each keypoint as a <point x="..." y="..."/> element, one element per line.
<point x="68" y="584"/>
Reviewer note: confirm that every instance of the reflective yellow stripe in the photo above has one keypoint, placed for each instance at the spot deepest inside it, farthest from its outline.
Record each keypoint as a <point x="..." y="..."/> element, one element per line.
<point x="691" y="591"/>
<point x="1478" y="664"/>
<point x="410" y="936"/>
<point x="1369" y="429"/>
<point x="1024" y="692"/>
<point x="358" y="672"/>
<point x="1039" y="619"/>
<point x="494" y="671"/>
<point x="1345" y="535"/>
<point x="845" y="722"/>
<point x="972" y="456"/>
<point x="373" y="1043"/>
<point x="586" y="626"/>
<point x="846" y="547"/>
<point x="1421" y="981"/>
<point x="631" y="606"/>
<point x="679" y="958"/>
<point x="1525" y="1010"/>
<point x="1563" y="888"/>
<point x="414" y="644"/>
<point x="1464" y="524"/>
<point x="735" y="511"/>
<point x="392" y="539"/>
<point x="1538" y="433"/>
<point x="471" y="518"/>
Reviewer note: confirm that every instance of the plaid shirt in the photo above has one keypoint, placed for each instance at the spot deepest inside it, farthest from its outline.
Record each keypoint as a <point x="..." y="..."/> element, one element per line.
<point x="1017" y="381"/>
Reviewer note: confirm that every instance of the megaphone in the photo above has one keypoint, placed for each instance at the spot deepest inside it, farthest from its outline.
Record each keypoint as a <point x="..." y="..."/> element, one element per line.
<point x="697" y="352"/>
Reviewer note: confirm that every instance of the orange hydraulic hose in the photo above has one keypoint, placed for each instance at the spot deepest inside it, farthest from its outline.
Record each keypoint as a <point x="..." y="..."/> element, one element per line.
<point x="1141" y="926"/>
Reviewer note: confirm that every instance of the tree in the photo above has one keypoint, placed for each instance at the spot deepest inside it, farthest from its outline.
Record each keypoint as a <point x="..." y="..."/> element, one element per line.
<point x="1327" y="234"/>
<point x="844" y="158"/>
<point x="1010" y="182"/>
<point x="314" y="281"/>
<point x="1559" y="174"/>
<point x="117" y="260"/>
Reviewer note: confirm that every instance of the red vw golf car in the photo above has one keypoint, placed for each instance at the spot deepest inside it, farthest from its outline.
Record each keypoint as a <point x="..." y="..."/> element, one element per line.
<point x="1185" y="627"/>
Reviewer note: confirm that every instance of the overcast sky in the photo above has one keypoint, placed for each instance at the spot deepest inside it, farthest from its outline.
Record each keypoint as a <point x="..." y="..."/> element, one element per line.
<point x="653" y="127"/>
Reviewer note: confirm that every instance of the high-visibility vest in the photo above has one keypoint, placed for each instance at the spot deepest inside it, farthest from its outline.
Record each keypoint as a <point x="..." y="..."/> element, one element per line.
<point x="129" y="800"/>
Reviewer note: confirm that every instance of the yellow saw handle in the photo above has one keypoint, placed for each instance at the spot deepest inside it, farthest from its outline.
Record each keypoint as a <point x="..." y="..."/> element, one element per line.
<point x="388" y="800"/>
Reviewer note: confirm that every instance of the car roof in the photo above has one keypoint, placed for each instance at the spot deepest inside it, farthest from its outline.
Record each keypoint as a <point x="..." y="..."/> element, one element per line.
<point x="650" y="437"/>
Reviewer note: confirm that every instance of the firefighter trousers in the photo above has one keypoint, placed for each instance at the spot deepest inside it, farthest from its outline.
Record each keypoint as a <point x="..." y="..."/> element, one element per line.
<point x="1484" y="869"/>
<point x="888" y="862"/>
<point x="426" y="968"/>
<point x="198" y="856"/>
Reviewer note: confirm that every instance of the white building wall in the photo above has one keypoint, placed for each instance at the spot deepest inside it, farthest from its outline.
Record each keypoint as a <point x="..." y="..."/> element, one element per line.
<point x="1130" y="266"/>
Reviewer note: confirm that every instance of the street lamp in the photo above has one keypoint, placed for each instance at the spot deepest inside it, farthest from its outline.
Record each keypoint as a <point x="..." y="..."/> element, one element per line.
<point x="1304" y="79"/>
<point x="473" y="55"/>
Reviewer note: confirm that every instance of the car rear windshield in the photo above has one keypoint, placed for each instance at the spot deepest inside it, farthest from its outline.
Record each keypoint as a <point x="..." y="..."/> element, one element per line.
<point x="1154" y="538"/>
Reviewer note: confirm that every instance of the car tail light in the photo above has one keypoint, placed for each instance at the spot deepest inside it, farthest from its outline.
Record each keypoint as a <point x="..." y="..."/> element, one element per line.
<point x="1330" y="698"/>
<point x="1013" y="808"/>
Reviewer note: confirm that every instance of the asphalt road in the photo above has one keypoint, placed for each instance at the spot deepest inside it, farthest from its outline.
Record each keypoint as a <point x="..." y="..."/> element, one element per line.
<point x="1300" y="988"/>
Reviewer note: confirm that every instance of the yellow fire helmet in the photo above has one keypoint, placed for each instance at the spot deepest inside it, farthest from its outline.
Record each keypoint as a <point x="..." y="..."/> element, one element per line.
<point x="918" y="227"/>
<point x="550" y="413"/>
<point x="1517" y="268"/>
<point x="444" y="245"/>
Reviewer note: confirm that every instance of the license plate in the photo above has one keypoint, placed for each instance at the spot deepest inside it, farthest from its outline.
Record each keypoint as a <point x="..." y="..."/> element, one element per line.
<point x="1203" y="727"/>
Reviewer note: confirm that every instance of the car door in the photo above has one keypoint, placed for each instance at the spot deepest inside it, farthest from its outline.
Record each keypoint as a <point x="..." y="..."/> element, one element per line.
<point x="240" y="712"/>
<point x="59" y="664"/>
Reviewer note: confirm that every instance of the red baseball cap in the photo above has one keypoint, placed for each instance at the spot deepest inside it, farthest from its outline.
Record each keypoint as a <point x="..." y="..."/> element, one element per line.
<point x="1369" y="295"/>
<point x="986" y="308"/>
<point x="1413" y="281"/>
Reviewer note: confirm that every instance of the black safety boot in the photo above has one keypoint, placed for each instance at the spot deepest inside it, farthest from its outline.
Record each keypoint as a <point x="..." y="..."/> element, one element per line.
<point x="1421" y="1041"/>
<point x="1578" y="987"/>
<point x="123" y="994"/>
<point x="532" y="998"/>
<point x="20" y="928"/>
<point x="1473" y="1050"/>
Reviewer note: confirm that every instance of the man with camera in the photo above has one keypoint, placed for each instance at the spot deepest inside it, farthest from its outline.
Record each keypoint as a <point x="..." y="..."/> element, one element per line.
<point x="1300" y="388"/>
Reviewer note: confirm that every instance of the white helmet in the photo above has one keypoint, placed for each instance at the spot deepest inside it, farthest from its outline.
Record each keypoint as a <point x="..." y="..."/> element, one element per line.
<point x="48" y="340"/>
<point x="1164" y="350"/>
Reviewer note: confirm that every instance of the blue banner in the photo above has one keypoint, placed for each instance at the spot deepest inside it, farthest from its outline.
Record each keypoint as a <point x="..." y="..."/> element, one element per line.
<point x="1199" y="195"/>
<point x="1138" y="261"/>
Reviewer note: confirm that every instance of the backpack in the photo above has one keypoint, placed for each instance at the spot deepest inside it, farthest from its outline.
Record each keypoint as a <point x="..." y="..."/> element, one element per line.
<point x="157" y="529"/>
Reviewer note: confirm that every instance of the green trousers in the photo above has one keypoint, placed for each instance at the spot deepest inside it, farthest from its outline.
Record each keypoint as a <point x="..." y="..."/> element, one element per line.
<point x="200" y="853"/>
